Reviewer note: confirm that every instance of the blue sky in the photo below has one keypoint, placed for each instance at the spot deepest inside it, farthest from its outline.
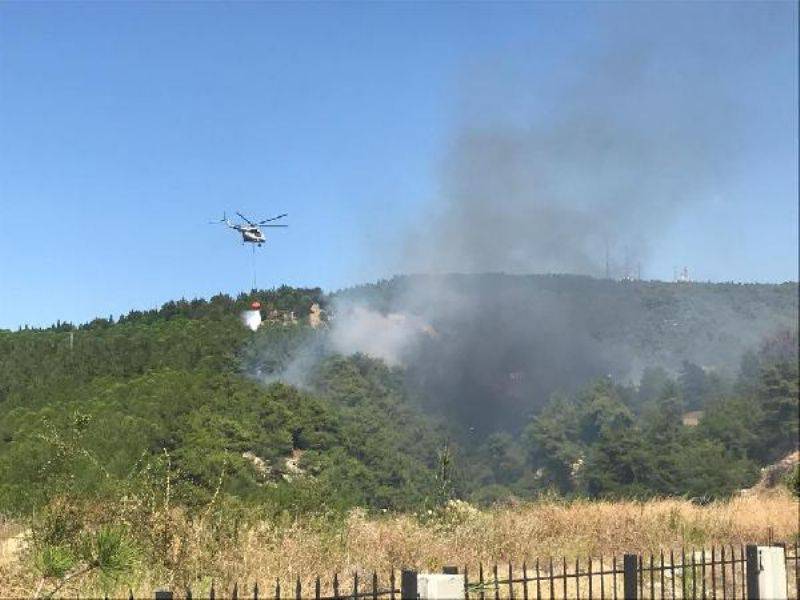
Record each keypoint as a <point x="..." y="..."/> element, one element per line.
<point x="126" y="127"/>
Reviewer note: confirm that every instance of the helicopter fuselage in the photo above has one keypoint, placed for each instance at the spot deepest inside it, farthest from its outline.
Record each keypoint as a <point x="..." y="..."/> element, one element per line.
<point x="252" y="235"/>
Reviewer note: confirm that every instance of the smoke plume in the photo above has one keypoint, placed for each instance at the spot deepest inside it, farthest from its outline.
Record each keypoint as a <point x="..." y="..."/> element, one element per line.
<point x="355" y="327"/>
<point x="607" y="162"/>
<point x="392" y="337"/>
<point x="579" y="176"/>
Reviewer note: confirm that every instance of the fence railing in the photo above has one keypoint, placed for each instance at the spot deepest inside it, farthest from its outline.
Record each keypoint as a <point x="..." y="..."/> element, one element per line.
<point x="719" y="573"/>
<point x="545" y="580"/>
<point x="793" y="569"/>
<point x="355" y="588"/>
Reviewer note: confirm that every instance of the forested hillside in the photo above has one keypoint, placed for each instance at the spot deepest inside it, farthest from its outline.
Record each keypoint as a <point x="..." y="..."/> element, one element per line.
<point x="90" y="415"/>
<point x="517" y="392"/>
<point x="504" y="343"/>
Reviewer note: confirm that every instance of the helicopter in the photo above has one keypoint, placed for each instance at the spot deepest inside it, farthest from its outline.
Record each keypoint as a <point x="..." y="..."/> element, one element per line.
<point x="250" y="230"/>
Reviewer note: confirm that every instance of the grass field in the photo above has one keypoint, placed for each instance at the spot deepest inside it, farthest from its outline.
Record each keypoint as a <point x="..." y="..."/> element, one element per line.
<point x="459" y="535"/>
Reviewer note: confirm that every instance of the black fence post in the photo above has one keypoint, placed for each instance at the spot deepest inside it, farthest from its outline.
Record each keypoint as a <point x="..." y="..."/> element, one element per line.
<point x="408" y="585"/>
<point x="752" y="572"/>
<point x="630" y="566"/>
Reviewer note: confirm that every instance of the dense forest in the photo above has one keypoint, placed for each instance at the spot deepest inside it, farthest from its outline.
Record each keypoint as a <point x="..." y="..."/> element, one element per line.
<point x="186" y="396"/>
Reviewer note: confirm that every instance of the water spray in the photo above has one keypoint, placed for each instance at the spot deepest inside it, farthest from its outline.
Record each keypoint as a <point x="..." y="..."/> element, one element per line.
<point x="252" y="318"/>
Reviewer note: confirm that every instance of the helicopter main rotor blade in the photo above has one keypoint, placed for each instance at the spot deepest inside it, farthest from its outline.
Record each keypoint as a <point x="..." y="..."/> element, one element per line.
<point x="273" y="218"/>
<point x="273" y="225"/>
<point x="246" y="219"/>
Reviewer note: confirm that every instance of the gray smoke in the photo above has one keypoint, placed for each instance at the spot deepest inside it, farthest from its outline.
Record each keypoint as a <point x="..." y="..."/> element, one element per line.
<point x="623" y="139"/>
<point x="594" y="167"/>
<point x="605" y="144"/>
<point x="391" y="336"/>
<point x="611" y="163"/>
<point x="494" y="347"/>
<point x="354" y="327"/>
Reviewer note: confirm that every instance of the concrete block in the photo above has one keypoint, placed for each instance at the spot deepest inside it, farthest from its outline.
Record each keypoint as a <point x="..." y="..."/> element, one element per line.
<point x="435" y="586"/>
<point x="771" y="573"/>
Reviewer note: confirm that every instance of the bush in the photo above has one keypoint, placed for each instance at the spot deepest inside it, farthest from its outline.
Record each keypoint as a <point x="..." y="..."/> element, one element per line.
<point x="792" y="480"/>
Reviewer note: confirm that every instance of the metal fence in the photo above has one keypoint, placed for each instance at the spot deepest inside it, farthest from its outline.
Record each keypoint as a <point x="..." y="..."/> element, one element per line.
<point x="546" y="579"/>
<point x="792" y="569"/>
<point x="353" y="588"/>
<point x="719" y="573"/>
<point x="723" y="572"/>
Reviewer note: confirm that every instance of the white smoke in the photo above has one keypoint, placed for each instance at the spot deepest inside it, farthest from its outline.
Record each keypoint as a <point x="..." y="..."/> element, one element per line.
<point x="353" y="327"/>
<point x="390" y="337"/>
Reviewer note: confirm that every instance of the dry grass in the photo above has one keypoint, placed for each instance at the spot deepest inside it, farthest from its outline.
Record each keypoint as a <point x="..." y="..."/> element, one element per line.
<point x="460" y="535"/>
